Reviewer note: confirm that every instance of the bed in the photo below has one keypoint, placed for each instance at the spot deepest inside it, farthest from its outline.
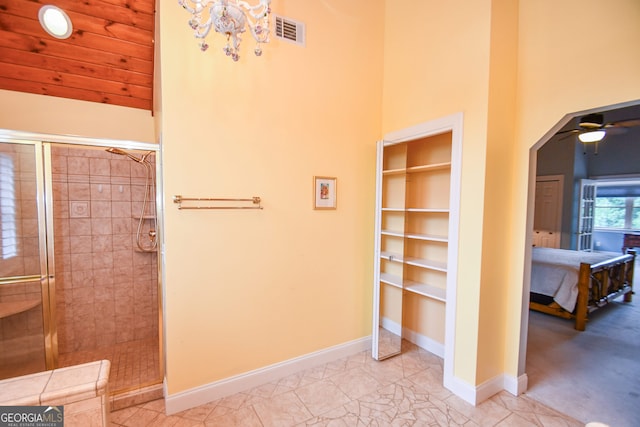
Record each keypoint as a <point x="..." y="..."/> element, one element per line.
<point x="572" y="284"/>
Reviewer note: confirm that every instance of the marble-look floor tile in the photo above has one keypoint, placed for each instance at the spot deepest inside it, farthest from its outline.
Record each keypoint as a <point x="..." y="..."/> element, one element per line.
<point x="282" y="410"/>
<point x="488" y="413"/>
<point x="355" y="382"/>
<point x="243" y="417"/>
<point x="405" y="390"/>
<point x="321" y="396"/>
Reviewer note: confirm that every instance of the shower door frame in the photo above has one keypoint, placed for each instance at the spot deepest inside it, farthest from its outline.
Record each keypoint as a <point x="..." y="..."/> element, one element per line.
<point x="44" y="193"/>
<point x="46" y="277"/>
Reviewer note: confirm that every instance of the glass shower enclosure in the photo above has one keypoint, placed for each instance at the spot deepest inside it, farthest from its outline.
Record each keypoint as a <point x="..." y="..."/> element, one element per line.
<point x="25" y="312"/>
<point x="78" y="261"/>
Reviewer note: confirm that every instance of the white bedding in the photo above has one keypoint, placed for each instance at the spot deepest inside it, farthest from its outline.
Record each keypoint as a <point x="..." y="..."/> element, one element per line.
<point x="554" y="272"/>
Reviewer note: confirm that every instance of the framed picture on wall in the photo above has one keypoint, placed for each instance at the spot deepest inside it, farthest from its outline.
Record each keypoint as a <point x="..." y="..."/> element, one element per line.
<point x="324" y="192"/>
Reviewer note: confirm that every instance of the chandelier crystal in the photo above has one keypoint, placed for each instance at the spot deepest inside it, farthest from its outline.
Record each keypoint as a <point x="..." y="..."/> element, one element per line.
<point x="230" y="18"/>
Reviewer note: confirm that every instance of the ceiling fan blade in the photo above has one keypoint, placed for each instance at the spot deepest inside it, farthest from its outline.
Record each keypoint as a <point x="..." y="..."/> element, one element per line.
<point x="616" y="130"/>
<point x="567" y="133"/>
<point x="624" y="123"/>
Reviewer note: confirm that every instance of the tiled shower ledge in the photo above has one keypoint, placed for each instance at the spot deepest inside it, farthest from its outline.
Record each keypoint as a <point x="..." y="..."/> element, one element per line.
<point x="82" y="389"/>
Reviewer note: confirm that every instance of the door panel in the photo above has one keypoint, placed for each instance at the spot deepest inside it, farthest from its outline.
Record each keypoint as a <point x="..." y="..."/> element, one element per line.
<point x="585" y="216"/>
<point x="24" y="313"/>
<point x="388" y="272"/>
<point x="548" y="212"/>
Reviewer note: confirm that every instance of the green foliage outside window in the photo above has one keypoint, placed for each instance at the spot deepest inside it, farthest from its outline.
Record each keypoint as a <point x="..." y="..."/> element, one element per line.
<point x="617" y="212"/>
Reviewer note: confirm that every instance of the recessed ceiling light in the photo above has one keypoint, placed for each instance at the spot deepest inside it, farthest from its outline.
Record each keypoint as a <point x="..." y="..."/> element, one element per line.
<point x="55" y="21"/>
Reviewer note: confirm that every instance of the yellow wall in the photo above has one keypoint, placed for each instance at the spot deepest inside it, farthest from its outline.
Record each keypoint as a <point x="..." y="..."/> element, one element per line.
<point x="573" y="55"/>
<point x="47" y="114"/>
<point x="436" y="64"/>
<point x="246" y="289"/>
<point x="514" y="69"/>
<point x="498" y="188"/>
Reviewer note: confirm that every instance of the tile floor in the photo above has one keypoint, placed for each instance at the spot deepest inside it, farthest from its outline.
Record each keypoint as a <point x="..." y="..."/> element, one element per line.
<point x="134" y="364"/>
<point x="405" y="390"/>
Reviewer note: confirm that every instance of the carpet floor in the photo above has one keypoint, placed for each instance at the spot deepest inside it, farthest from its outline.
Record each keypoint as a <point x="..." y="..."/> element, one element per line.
<point x="592" y="375"/>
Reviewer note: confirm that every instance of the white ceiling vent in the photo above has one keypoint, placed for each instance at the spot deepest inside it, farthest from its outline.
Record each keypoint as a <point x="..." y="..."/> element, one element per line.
<point x="290" y="30"/>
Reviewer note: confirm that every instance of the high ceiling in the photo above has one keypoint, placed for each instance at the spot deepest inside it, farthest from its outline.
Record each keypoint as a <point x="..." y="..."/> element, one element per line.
<point x="107" y="59"/>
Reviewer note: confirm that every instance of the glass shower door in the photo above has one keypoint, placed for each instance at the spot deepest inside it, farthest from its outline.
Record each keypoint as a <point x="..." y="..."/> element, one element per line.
<point x="26" y="341"/>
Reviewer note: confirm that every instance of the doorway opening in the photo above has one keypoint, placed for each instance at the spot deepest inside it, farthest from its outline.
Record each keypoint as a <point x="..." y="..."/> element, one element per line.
<point x="543" y="337"/>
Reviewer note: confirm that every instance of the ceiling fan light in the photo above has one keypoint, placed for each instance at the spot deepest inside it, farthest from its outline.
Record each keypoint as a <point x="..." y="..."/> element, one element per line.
<point x="593" y="136"/>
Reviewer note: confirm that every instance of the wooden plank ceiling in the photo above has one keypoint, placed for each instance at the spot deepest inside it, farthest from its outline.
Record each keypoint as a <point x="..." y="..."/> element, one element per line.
<point x="107" y="59"/>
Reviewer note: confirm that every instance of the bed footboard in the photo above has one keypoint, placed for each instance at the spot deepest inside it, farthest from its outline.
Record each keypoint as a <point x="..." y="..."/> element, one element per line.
<point x="600" y="283"/>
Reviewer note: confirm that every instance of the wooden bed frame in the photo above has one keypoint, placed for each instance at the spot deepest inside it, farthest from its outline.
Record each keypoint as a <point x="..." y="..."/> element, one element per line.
<point x="597" y="285"/>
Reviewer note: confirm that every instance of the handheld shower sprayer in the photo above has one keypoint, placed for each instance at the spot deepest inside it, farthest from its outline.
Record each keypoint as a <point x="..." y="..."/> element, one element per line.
<point x="148" y="193"/>
<point x="140" y="159"/>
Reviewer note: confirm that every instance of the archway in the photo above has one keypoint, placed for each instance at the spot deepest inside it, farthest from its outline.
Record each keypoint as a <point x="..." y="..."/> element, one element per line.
<point x="612" y="113"/>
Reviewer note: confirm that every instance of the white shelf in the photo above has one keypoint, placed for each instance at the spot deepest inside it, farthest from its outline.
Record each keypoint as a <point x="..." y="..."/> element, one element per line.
<point x="426" y="290"/>
<point x="417" y="169"/>
<point x="392" y="280"/>
<point x="394" y="171"/>
<point x="428" y="237"/>
<point x="423" y="289"/>
<point x="417" y="209"/>
<point x="417" y="262"/>
<point x="391" y="256"/>
<point x="431" y="210"/>
<point x="425" y="263"/>
<point x="415" y="236"/>
<point x="429" y="168"/>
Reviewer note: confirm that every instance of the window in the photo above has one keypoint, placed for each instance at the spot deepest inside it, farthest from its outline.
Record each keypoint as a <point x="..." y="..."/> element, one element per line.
<point x="618" y="206"/>
<point x="8" y="235"/>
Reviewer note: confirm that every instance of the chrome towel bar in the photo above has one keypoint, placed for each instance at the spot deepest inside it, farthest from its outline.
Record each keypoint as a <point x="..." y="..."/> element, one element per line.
<point x="180" y="199"/>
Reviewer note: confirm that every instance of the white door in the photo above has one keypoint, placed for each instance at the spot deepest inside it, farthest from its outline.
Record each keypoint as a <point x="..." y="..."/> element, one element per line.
<point x="585" y="215"/>
<point x="547" y="219"/>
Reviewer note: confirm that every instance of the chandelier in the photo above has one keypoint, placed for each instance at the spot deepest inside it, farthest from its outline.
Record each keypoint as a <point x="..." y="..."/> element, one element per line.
<point x="230" y="18"/>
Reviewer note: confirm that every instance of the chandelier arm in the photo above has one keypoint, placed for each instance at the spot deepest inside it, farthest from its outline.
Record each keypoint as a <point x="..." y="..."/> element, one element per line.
<point x="262" y="8"/>
<point x="186" y="6"/>
<point x="230" y="18"/>
<point x="261" y="35"/>
<point x="198" y="31"/>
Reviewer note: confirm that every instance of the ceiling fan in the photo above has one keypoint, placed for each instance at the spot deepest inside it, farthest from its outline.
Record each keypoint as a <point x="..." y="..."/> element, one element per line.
<point x="592" y="129"/>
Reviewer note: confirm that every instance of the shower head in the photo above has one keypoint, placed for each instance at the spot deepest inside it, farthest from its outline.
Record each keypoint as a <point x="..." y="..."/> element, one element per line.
<point x="120" y="152"/>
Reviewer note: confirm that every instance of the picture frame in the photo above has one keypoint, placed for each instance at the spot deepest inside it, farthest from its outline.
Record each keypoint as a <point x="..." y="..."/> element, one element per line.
<point x="325" y="192"/>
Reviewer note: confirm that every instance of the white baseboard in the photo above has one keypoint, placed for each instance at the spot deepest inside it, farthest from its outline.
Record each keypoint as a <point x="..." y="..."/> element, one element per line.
<point x="421" y="341"/>
<point x="516" y="385"/>
<point x="391" y="326"/>
<point x="424" y="342"/>
<point x="209" y="392"/>
<point x="478" y="394"/>
<point x="462" y="389"/>
<point x="489" y="388"/>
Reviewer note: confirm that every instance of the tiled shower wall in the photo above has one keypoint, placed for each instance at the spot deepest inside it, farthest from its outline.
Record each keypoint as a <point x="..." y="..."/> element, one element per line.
<point x="106" y="289"/>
